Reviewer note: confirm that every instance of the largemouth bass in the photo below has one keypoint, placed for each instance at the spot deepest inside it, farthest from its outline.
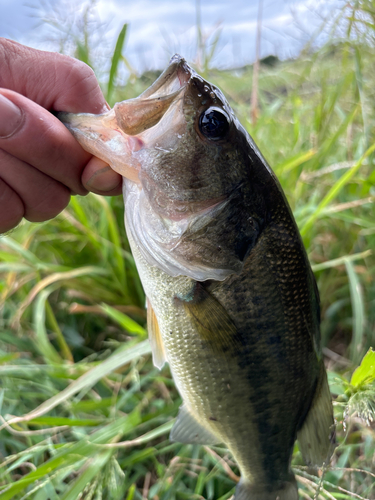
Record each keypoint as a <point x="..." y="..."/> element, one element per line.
<point x="233" y="305"/>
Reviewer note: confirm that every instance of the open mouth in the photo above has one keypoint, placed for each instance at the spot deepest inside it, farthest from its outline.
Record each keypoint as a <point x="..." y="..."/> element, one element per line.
<point x="124" y="130"/>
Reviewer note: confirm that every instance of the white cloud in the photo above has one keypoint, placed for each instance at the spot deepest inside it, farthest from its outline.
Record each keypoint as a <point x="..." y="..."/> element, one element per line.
<point x="159" y="28"/>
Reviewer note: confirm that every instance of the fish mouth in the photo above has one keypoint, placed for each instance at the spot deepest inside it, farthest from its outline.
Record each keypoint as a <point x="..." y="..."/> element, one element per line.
<point x="136" y="115"/>
<point x="116" y="136"/>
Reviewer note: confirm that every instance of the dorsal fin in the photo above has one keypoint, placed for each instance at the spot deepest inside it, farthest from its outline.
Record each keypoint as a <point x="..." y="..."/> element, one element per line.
<point x="156" y="341"/>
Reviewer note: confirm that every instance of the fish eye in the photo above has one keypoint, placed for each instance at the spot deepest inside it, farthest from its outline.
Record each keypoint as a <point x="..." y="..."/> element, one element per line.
<point x="213" y="124"/>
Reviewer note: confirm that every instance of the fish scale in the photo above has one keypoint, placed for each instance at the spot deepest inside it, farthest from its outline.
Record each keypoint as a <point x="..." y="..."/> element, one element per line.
<point x="233" y="304"/>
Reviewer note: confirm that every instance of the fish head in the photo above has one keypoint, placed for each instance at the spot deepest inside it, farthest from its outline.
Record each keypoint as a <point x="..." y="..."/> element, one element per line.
<point x="187" y="163"/>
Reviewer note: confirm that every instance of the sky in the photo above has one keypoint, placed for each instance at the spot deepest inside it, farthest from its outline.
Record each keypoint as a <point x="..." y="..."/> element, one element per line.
<point x="158" y="29"/>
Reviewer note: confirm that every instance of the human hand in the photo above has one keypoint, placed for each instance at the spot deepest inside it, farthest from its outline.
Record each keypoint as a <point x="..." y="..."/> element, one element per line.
<point x="41" y="164"/>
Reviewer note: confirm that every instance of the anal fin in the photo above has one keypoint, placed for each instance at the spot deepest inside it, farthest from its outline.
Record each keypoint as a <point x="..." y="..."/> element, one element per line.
<point x="156" y="341"/>
<point x="188" y="430"/>
<point x="317" y="435"/>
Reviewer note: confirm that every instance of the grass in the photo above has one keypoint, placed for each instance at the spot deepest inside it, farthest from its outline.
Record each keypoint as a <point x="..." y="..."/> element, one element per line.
<point x="84" y="414"/>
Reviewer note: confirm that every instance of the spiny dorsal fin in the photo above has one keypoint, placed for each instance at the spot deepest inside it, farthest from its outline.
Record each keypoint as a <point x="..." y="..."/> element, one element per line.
<point x="317" y="435"/>
<point x="188" y="430"/>
<point x="156" y="341"/>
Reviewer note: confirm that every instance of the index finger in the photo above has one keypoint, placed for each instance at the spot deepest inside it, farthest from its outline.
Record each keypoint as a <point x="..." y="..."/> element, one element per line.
<point x="42" y="141"/>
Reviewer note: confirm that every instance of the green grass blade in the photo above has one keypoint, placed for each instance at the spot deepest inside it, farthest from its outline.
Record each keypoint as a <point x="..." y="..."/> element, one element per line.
<point x="20" y="250"/>
<point x="146" y="438"/>
<point x="59" y="421"/>
<point x="359" y="80"/>
<point x="43" y="343"/>
<point x="341" y="261"/>
<point x="358" y="312"/>
<point x="82" y="53"/>
<point x="60" y="339"/>
<point x="114" y="236"/>
<point x="121" y="356"/>
<point x="131" y="492"/>
<point x="334" y="191"/>
<point x="14" y="267"/>
<point x="80" y="212"/>
<point x="294" y="162"/>
<point x="91" y="469"/>
<point x="330" y="142"/>
<point x="71" y="453"/>
<point x="123" y="320"/>
<point x="115" y="60"/>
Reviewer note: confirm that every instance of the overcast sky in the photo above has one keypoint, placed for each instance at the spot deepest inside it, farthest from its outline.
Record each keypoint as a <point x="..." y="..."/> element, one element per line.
<point x="157" y="29"/>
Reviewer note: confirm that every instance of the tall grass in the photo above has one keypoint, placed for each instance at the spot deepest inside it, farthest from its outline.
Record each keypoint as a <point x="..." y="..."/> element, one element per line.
<point x="84" y="414"/>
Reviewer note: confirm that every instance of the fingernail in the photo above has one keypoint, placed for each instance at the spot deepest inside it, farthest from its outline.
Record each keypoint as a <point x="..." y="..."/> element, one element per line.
<point x="10" y="117"/>
<point x="104" y="180"/>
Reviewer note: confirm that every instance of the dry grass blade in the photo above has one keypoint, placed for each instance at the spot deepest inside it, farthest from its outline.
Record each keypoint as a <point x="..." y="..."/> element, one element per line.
<point x="76" y="308"/>
<point x="347" y="492"/>
<point x="314" y="488"/>
<point x="349" y="204"/>
<point x="307" y="176"/>
<point x="352" y="469"/>
<point x="224" y="464"/>
<point x="40" y="432"/>
<point x="146" y="485"/>
<point x="49" y="280"/>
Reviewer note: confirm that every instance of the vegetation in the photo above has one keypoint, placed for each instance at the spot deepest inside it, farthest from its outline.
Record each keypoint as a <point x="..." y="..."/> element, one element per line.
<point x="84" y="414"/>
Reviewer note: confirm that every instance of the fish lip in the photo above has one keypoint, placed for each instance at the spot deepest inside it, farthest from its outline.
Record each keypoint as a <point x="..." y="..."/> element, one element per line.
<point x="178" y="69"/>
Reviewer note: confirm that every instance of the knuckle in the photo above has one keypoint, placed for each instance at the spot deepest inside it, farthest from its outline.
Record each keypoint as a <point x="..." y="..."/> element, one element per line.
<point x="9" y="51"/>
<point x="52" y="204"/>
<point x="78" y="72"/>
<point x="59" y="200"/>
<point x="12" y="209"/>
<point x="80" y="85"/>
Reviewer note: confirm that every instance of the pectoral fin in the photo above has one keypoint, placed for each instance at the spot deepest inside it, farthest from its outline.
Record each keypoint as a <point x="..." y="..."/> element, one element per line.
<point x="188" y="430"/>
<point x="156" y="341"/>
<point x="211" y="320"/>
<point x="317" y="435"/>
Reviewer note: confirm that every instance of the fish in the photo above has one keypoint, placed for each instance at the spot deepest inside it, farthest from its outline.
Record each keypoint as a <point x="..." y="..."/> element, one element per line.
<point x="232" y="303"/>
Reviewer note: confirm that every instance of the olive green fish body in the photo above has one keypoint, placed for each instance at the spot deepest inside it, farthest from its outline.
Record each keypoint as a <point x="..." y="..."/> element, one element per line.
<point x="233" y="304"/>
<point x="249" y="382"/>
